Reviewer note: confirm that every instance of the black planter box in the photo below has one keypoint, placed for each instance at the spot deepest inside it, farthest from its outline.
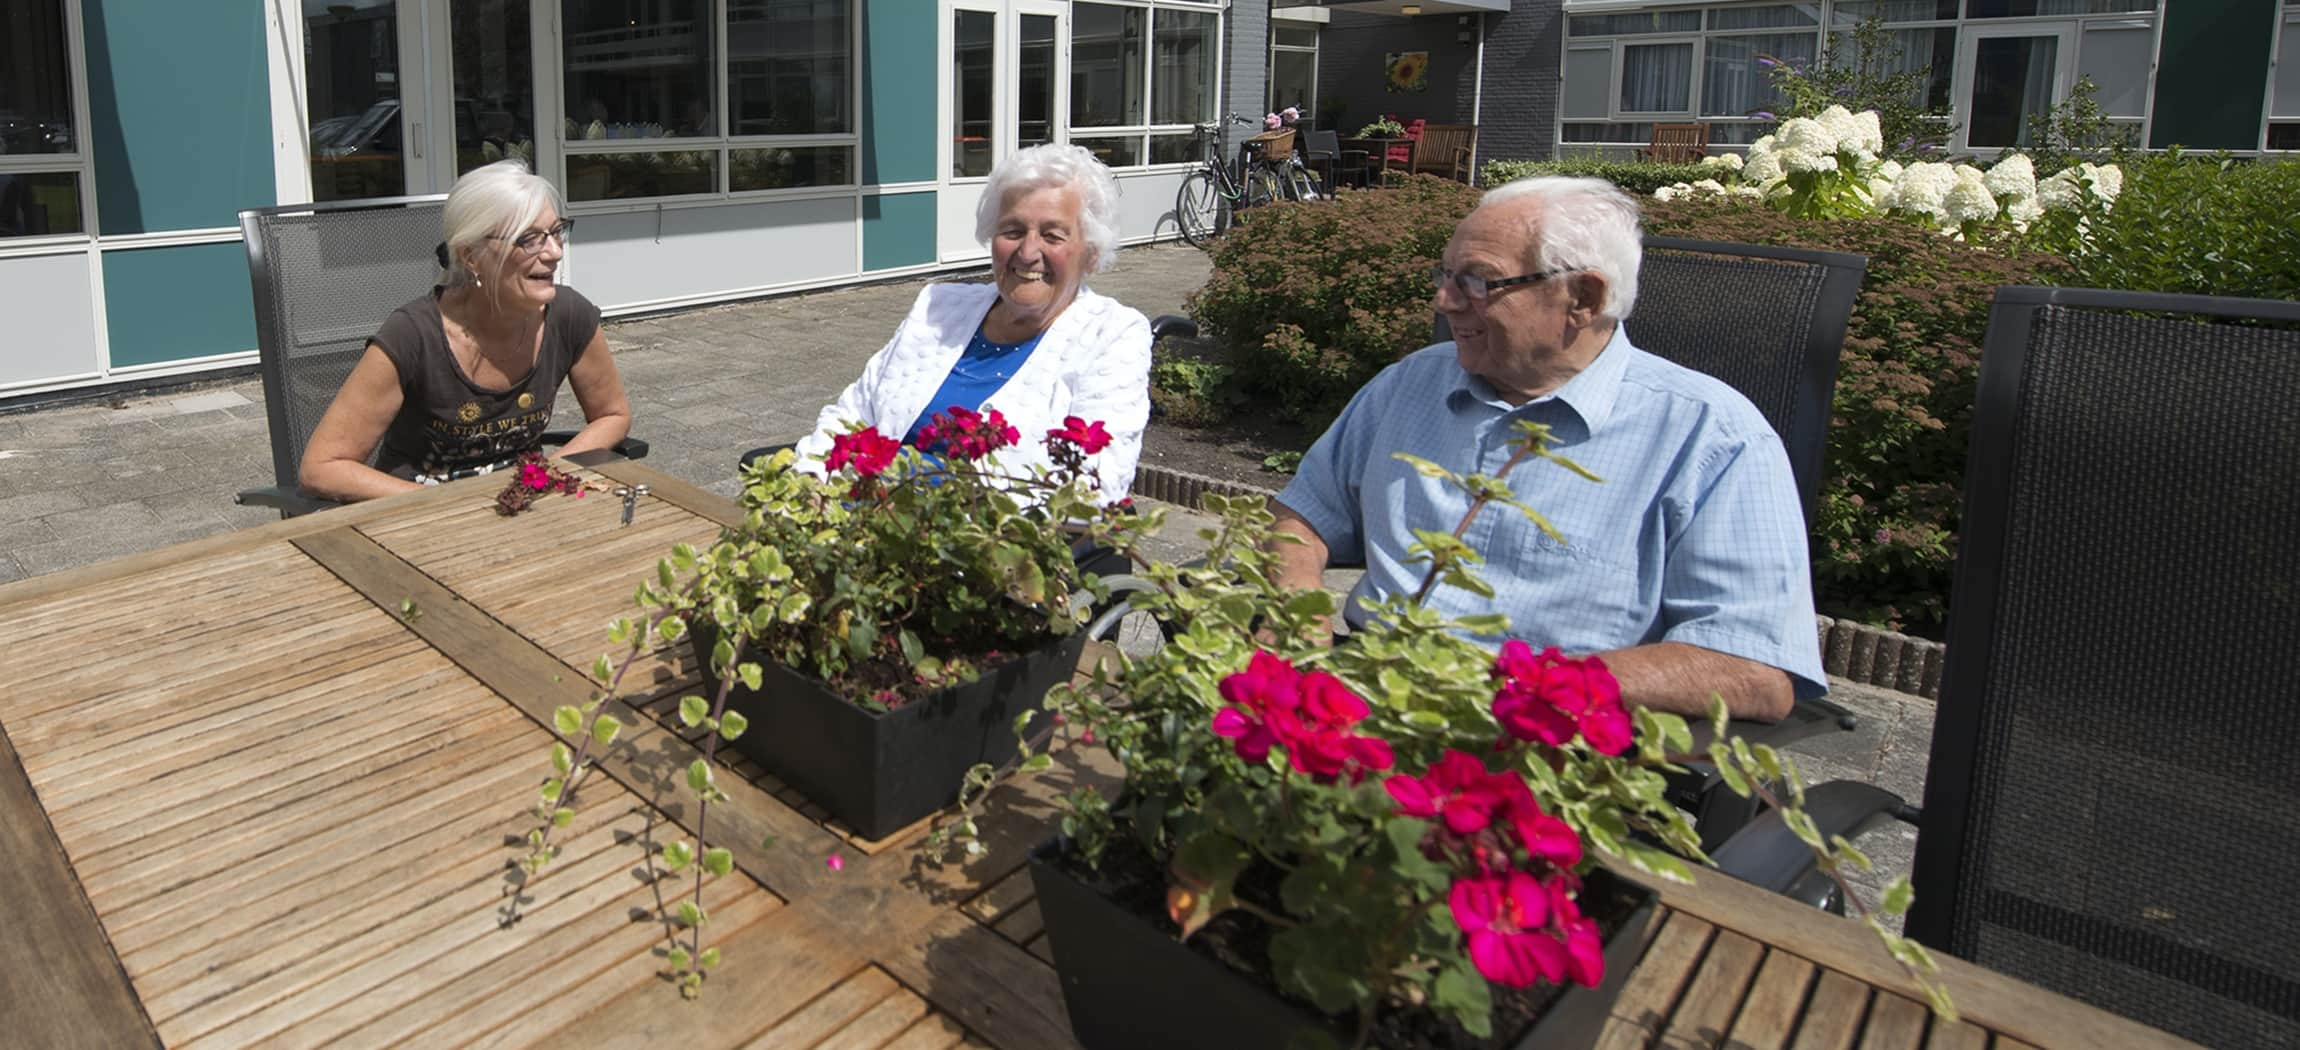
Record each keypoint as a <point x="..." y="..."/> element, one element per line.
<point x="1131" y="986"/>
<point x="882" y="772"/>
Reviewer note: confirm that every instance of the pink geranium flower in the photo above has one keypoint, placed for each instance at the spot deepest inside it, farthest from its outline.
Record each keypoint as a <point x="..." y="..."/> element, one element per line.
<point x="868" y="452"/>
<point x="1089" y="437"/>
<point x="535" y="476"/>
<point x="1506" y="920"/>
<point x="1549" y="698"/>
<point x="1274" y="704"/>
<point x="1467" y="799"/>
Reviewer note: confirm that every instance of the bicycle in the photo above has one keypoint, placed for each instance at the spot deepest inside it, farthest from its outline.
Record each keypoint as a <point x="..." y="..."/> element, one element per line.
<point x="1212" y="196"/>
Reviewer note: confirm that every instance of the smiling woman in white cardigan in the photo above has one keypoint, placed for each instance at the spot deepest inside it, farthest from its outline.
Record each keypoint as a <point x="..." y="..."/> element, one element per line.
<point x="1033" y="344"/>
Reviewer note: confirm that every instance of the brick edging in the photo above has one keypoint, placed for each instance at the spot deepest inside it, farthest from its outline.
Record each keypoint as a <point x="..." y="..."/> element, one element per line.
<point x="1860" y="652"/>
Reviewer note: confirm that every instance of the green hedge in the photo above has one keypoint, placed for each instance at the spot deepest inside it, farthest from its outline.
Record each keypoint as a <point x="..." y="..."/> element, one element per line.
<point x="2197" y="225"/>
<point x="1638" y="178"/>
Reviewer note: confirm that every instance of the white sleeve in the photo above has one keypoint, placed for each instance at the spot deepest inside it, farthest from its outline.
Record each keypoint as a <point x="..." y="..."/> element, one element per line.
<point x="858" y="403"/>
<point x="1113" y="385"/>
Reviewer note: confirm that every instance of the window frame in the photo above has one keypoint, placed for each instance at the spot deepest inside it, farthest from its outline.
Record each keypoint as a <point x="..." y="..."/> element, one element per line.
<point x="77" y="163"/>
<point x="1150" y="129"/>
<point x="723" y="145"/>
<point x="1615" y="112"/>
<point x="1270" y="72"/>
<point x="2287" y="29"/>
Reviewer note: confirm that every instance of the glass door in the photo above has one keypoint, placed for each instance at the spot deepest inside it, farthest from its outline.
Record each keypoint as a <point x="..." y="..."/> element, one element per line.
<point x="491" y="78"/>
<point x="365" y="99"/>
<point x="2008" y="76"/>
<point x="1041" y="82"/>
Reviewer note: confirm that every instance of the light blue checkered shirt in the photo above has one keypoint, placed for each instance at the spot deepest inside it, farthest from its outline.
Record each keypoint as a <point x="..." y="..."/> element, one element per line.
<point x="1694" y="536"/>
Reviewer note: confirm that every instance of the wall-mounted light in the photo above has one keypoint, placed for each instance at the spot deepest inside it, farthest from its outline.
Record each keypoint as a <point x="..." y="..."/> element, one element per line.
<point x="1462" y="34"/>
<point x="1410" y="10"/>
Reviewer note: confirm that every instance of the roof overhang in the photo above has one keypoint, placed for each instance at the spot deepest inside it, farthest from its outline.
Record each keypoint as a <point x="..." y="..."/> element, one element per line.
<point x="1397" y="8"/>
<point x="1599" y="7"/>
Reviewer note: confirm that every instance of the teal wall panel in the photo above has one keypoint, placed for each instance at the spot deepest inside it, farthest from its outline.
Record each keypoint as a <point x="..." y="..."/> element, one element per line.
<point x="2212" y="74"/>
<point x="898" y="230"/>
<point x="901" y="73"/>
<point x="180" y="115"/>
<point x="170" y="304"/>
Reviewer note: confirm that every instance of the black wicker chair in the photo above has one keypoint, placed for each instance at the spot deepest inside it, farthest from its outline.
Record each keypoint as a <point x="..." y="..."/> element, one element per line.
<point x="325" y="276"/>
<point x="2110" y="809"/>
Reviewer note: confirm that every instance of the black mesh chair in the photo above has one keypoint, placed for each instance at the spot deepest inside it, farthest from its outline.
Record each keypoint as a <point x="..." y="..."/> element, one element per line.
<point x="2110" y="810"/>
<point x="325" y="276"/>
<point x="1770" y="322"/>
<point x="1322" y="152"/>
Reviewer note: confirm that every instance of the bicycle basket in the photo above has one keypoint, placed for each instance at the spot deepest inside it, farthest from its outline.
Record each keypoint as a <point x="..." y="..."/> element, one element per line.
<point x="1276" y="145"/>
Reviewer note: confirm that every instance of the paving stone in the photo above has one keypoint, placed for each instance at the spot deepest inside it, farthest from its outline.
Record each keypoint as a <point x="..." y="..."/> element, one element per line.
<point x="209" y="401"/>
<point x="9" y="570"/>
<point x="33" y="504"/>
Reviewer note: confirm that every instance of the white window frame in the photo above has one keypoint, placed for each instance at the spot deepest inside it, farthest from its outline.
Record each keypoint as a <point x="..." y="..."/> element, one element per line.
<point x="1270" y="74"/>
<point x="724" y="145"/>
<point x="1621" y="46"/>
<point x="2287" y="27"/>
<point x="1701" y="67"/>
<point x="78" y="163"/>
<point x="1144" y="132"/>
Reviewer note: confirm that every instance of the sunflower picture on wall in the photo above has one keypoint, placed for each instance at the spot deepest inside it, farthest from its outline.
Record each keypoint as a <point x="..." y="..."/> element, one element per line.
<point x="1407" y="71"/>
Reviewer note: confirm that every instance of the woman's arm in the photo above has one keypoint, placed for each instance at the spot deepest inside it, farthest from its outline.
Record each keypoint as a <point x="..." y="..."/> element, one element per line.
<point x="857" y="403"/>
<point x="599" y="389"/>
<point x="335" y="460"/>
<point x="1111" y="383"/>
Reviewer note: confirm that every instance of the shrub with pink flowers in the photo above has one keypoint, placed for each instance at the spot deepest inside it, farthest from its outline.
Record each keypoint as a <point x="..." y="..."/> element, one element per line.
<point x="1411" y="817"/>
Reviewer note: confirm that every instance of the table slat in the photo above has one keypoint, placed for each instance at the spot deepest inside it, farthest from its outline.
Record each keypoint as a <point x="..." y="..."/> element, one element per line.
<point x="1769" y="1013"/>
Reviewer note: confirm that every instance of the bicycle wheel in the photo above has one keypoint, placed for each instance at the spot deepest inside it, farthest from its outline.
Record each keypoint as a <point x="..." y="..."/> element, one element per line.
<point x="1262" y="187"/>
<point x="1198" y="208"/>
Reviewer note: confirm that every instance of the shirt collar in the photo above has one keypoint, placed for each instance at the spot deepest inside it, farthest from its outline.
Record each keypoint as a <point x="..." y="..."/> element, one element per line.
<point x="1589" y="396"/>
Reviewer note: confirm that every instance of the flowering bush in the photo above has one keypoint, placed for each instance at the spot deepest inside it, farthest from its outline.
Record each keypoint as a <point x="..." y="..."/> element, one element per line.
<point x="1636" y="177"/>
<point x="1386" y="126"/>
<point x="1412" y="815"/>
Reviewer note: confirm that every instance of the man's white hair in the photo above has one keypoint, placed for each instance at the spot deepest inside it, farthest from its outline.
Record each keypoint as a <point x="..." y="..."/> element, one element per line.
<point x="502" y="200"/>
<point x="1066" y="166"/>
<point x="1585" y="224"/>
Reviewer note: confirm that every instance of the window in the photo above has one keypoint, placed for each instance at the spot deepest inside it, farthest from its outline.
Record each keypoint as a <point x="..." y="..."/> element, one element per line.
<point x="973" y="41"/>
<point x="40" y="159"/>
<point x="1657" y="78"/>
<point x="1140" y="80"/>
<point x="2284" y="93"/>
<point x="653" y="110"/>
<point x="1294" y="68"/>
<point x="2028" y="8"/>
<point x="1735" y="84"/>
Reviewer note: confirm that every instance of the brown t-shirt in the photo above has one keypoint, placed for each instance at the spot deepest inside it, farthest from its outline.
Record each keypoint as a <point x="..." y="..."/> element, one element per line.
<point x="446" y="422"/>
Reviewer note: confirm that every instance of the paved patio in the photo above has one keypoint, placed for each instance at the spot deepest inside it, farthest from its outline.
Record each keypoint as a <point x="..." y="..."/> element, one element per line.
<point x="83" y="483"/>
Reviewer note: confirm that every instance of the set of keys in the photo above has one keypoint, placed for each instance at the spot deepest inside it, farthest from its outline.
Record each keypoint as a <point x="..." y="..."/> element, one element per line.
<point x="630" y="494"/>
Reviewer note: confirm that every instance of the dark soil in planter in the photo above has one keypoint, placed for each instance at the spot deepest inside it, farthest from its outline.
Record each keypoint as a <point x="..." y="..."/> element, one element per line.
<point x="1134" y="880"/>
<point x="1231" y="450"/>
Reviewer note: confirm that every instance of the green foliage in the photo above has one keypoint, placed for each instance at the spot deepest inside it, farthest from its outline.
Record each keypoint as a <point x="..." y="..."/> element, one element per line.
<point x="1885" y="541"/>
<point x="1315" y="298"/>
<point x="1193" y="391"/>
<point x="1282" y="462"/>
<point x="1857" y="73"/>
<point x="2075" y="131"/>
<point x="2204" y="225"/>
<point x="1636" y="178"/>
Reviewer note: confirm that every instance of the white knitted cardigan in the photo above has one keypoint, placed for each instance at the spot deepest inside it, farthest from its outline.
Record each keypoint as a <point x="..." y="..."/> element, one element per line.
<point x="1093" y="363"/>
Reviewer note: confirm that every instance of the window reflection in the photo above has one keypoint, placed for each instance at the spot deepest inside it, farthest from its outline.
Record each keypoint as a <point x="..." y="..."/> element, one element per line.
<point x="786" y="67"/>
<point x="35" y="79"/>
<point x="777" y="168"/>
<point x="1116" y="152"/>
<point x="660" y="173"/>
<point x="638" y="69"/>
<point x="1105" y="66"/>
<point x="494" y="82"/>
<point x="1035" y="97"/>
<point x="351" y="75"/>
<point x="974" y="43"/>
<point x="39" y="204"/>
<point x="1182" y="68"/>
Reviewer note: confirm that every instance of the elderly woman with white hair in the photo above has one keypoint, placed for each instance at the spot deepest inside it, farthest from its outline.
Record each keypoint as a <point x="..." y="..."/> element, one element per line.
<point x="461" y="380"/>
<point x="1033" y="344"/>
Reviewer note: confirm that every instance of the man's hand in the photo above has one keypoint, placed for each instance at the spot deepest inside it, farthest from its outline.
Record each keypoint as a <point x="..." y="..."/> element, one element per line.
<point x="1674" y="676"/>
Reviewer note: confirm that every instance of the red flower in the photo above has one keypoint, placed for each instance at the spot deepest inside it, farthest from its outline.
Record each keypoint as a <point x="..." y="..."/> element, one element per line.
<point x="1506" y="919"/>
<point x="535" y="476"/>
<point x="1468" y="799"/>
<point x="867" y="451"/>
<point x="1089" y="437"/>
<point x="967" y="434"/>
<point x="1550" y="697"/>
<point x="1273" y="704"/>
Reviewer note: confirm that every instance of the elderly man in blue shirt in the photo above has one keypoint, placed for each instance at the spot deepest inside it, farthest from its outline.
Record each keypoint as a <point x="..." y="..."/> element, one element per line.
<point x="1685" y="568"/>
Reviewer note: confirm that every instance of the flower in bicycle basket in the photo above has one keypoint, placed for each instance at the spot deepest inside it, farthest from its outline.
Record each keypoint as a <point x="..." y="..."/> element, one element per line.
<point x="1290" y="115"/>
<point x="1270" y="121"/>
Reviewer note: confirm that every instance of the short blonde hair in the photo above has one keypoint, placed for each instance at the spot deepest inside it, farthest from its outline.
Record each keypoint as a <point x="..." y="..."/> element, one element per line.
<point x="1061" y="165"/>
<point x="498" y="200"/>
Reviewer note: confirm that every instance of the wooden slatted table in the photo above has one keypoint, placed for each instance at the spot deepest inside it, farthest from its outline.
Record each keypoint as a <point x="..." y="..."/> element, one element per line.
<point x="267" y="788"/>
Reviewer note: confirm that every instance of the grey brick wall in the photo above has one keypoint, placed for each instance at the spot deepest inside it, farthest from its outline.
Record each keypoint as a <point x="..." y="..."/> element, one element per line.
<point x="1246" y="58"/>
<point x="1519" y="111"/>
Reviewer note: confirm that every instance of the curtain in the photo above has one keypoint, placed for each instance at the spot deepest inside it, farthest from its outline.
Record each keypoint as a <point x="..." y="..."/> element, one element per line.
<point x="1656" y="78"/>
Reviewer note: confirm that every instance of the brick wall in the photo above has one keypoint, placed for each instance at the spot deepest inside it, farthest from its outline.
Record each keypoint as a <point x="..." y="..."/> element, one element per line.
<point x="1519" y="108"/>
<point x="1246" y="62"/>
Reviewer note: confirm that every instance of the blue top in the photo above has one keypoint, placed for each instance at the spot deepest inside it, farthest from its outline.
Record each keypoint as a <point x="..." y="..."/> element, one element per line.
<point x="981" y="369"/>
<point x="1696" y="534"/>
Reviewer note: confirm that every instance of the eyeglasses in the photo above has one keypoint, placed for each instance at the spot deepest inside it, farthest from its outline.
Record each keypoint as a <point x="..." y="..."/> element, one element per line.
<point x="532" y="240"/>
<point x="1476" y="289"/>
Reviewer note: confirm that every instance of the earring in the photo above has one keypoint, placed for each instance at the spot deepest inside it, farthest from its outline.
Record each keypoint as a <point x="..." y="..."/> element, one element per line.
<point x="475" y="281"/>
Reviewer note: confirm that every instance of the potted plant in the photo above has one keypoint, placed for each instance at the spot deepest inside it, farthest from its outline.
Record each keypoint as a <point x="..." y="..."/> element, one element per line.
<point x="880" y="628"/>
<point x="1393" y="840"/>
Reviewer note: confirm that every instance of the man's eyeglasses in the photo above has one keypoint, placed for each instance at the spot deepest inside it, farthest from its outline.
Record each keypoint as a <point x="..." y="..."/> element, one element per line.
<point x="532" y="240"/>
<point x="1475" y="288"/>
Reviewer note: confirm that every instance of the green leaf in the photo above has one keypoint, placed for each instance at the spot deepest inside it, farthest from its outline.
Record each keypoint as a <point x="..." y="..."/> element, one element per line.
<point x="692" y="711"/>
<point x="562" y="817"/>
<point x="718" y="860"/>
<point x="603" y="731"/>
<point x="1316" y="602"/>
<point x="1898" y="896"/>
<point x="552" y="788"/>
<point x="710" y="958"/>
<point x="691" y="914"/>
<point x="567" y="719"/>
<point x="562" y="759"/>
<point x="678" y="959"/>
<point x="912" y="648"/>
<point x="677" y="854"/>
<point x="751" y="674"/>
<point x="732" y="724"/>
<point x="1037" y="763"/>
<point x="602" y="668"/>
<point x="1464" y="993"/>
<point x="699" y="776"/>
<point x="1721" y="756"/>
<point x="664" y="574"/>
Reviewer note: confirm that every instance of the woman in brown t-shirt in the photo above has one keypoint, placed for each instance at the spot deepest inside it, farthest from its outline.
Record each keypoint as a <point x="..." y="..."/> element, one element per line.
<point x="462" y="379"/>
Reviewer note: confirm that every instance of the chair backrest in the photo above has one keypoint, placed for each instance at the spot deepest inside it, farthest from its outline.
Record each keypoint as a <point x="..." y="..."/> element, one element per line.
<point x="325" y="277"/>
<point x="1769" y="322"/>
<point x="1678" y="143"/>
<point x="1443" y="147"/>
<point x="1327" y="143"/>
<point x="2111" y="810"/>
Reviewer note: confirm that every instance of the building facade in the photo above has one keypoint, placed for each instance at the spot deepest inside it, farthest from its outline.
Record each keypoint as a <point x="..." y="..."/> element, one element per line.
<point x="709" y="149"/>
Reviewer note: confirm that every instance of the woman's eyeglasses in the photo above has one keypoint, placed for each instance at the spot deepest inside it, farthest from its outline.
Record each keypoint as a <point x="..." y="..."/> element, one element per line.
<point x="532" y="240"/>
<point x="1475" y="288"/>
